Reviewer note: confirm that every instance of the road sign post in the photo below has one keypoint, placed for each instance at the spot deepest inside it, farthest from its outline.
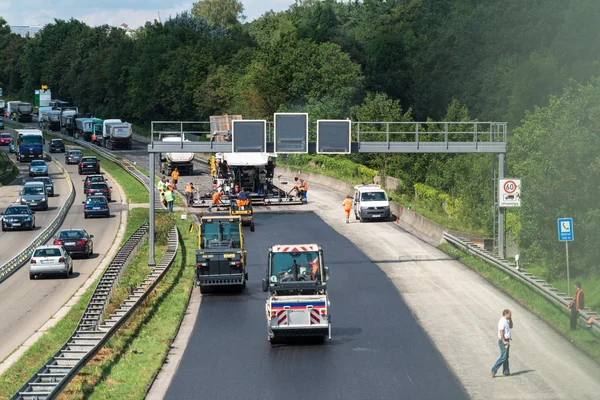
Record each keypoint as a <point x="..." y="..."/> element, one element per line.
<point x="565" y="234"/>
<point x="509" y="195"/>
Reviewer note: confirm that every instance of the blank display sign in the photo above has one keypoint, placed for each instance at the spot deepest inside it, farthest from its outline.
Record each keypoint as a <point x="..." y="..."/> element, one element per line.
<point x="291" y="133"/>
<point x="333" y="136"/>
<point x="249" y="136"/>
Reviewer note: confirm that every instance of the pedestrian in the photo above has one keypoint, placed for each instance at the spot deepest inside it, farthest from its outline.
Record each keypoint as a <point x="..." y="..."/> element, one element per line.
<point x="162" y="186"/>
<point x="94" y="138"/>
<point x="348" y="207"/>
<point x="170" y="198"/>
<point x="175" y="176"/>
<point x="577" y="304"/>
<point x="270" y="168"/>
<point x="504" y="326"/>
<point x="189" y="190"/>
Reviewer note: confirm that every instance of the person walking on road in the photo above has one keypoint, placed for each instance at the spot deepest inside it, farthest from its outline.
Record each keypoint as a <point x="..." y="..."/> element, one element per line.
<point x="348" y="207"/>
<point x="175" y="177"/>
<point x="577" y="304"/>
<point x="170" y="198"/>
<point x="189" y="190"/>
<point x="504" y="326"/>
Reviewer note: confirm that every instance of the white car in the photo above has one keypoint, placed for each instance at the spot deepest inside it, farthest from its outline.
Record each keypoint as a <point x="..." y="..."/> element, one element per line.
<point x="50" y="259"/>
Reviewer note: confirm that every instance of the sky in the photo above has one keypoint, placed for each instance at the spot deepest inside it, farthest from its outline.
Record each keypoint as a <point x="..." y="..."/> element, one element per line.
<point x="134" y="13"/>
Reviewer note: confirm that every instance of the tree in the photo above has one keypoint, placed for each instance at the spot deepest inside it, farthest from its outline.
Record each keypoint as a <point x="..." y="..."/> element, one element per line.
<point x="221" y="13"/>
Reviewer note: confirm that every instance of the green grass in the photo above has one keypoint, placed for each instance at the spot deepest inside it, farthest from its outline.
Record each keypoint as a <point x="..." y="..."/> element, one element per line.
<point x="4" y="165"/>
<point x="557" y="317"/>
<point x="130" y="360"/>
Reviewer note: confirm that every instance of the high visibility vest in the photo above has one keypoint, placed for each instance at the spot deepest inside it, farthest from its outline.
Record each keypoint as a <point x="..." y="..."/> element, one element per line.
<point x="315" y="267"/>
<point x="305" y="185"/>
<point x="94" y="137"/>
<point x="169" y="196"/>
<point x="161" y="186"/>
<point x="175" y="175"/>
<point x="188" y="189"/>
<point x="347" y="204"/>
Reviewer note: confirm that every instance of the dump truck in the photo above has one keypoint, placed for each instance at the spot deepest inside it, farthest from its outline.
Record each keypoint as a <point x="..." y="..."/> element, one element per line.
<point x="84" y="128"/>
<point x="298" y="304"/>
<point x="24" y="112"/>
<point x="50" y="120"/>
<point x="29" y="144"/>
<point x="67" y="122"/>
<point x="184" y="162"/>
<point x="221" y="255"/>
<point x="116" y="134"/>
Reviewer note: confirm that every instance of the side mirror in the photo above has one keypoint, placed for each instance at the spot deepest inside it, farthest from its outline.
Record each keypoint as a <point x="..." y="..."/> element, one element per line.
<point x="326" y="273"/>
<point x="91" y="236"/>
<point x="110" y="187"/>
<point x="252" y="226"/>
<point x="33" y="212"/>
<point x="83" y="202"/>
<point x="265" y="285"/>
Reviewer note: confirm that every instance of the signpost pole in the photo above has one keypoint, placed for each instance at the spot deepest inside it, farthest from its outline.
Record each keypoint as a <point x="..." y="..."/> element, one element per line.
<point x="568" y="277"/>
<point x="500" y="210"/>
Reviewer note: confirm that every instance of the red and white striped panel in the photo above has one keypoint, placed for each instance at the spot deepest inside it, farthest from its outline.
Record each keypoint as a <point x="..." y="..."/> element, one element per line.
<point x="315" y="318"/>
<point x="295" y="248"/>
<point x="281" y="317"/>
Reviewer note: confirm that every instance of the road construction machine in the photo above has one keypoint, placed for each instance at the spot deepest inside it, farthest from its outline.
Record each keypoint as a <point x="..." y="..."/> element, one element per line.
<point x="298" y="304"/>
<point x="221" y="254"/>
<point x="184" y="162"/>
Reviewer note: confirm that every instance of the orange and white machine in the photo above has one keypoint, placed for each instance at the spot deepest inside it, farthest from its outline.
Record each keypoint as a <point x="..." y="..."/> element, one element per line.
<point x="298" y="305"/>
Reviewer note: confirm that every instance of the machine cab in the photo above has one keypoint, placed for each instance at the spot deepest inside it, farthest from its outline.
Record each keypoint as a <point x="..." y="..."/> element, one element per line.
<point x="296" y="269"/>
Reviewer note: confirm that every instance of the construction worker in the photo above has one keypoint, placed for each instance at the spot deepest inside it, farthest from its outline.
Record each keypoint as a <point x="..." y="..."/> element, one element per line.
<point x="242" y="200"/>
<point x="175" y="176"/>
<point x="216" y="199"/>
<point x="578" y="303"/>
<point x="348" y="207"/>
<point x="189" y="189"/>
<point x="301" y="188"/>
<point x="170" y="199"/>
<point x="94" y="138"/>
<point x="314" y="267"/>
<point x="162" y="186"/>
<point x="270" y="168"/>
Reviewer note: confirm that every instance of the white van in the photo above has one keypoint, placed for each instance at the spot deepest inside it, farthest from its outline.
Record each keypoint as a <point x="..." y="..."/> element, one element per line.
<point x="371" y="203"/>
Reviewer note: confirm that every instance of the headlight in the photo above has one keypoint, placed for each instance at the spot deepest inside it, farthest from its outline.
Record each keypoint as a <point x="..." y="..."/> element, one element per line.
<point x="27" y="219"/>
<point x="43" y="199"/>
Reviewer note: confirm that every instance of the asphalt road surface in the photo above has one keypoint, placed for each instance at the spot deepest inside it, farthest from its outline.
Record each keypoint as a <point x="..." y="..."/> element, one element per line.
<point x="28" y="304"/>
<point x="378" y="350"/>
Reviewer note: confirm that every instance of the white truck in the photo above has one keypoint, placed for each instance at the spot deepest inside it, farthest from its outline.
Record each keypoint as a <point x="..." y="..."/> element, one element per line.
<point x="184" y="162"/>
<point x="116" y="134"/>
<point x="298" y="305"/>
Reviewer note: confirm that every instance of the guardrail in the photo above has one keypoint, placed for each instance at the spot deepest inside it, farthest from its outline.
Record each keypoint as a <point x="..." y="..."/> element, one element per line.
<point x="10" y="170"/>
<point x="81" y="347"/>
<point x="21" y="259"/>
<point x="539" y="285"/>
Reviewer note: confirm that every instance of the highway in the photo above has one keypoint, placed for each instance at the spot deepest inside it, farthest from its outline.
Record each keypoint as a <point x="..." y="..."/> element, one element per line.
<point x="28" y="304"/>
<point x="378" y="348"/>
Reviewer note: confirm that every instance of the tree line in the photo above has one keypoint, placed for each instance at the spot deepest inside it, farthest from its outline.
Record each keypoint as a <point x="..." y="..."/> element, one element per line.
<point x="529" y="63"/>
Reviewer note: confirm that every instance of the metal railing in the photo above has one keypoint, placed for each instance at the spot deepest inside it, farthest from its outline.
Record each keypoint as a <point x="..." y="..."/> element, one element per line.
<point x="539" y="285"/>
<point x="83" y="344"/>
<point x="21" y="259"/>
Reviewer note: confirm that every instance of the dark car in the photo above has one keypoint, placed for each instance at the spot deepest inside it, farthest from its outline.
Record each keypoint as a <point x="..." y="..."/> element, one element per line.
<point x="99" y="189"/>
<point x="48" y="182"/>
<point x="92" y="179"/>
<point x="57" y="146"/>
<point x="1" y="123"/>
<point x="18" y="217"/>
<point x="89" y="165"/>
<point x="76" y="241"/>
<point x="73" y="157"/>
<point x="96" y="206"/>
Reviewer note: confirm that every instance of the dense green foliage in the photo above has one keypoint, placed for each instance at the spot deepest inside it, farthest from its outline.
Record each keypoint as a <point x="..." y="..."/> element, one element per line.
<point x="370" y="60"/>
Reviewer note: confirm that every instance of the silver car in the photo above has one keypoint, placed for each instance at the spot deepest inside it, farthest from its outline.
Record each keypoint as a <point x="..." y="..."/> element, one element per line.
<point x="34" y="195"/>
<point x="38" y="167"/>
<point x="50" y="259"/>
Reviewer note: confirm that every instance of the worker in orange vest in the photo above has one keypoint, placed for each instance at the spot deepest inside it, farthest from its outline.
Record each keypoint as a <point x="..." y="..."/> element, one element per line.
<point x="94" y="138"/>
<point x="175" y="176"/>
<point x="348" y="207"/>
<point x="577" y="304"/>
<point x="315" y="268"/>
<point x="301" y="188"/>
<point x="216" y="199"/>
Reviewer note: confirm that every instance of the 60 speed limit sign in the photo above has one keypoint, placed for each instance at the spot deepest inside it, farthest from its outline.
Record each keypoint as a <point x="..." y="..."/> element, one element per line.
<point x="509" y="193"/>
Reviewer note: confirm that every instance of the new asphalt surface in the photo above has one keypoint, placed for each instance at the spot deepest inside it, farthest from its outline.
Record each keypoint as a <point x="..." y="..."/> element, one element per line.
<point x="378" y="350"/>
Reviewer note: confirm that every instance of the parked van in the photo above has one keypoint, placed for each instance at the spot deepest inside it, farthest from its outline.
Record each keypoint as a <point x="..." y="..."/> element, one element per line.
<point x="371" y="203"/>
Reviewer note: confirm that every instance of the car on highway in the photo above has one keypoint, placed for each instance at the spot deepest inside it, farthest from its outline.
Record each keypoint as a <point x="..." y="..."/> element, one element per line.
<point x="89" y="164"/>
<point x="99" y="189"/>
<point x="75" y="241"/>
<point x="11" y="147"/>
<point x="38" y="167"/>
<point x="96" y="206"/>
<point x="5" y="138"/>
<point x="1" y="123"/>
<point x="92" y="179"/>
<point x="48" y="182"/>
<point x="34" y="195"/>
<point x="57" y="146"/>
<point x="73" y="157"/>
<point x="50" y="259"/>
<point x="18" y="217"/>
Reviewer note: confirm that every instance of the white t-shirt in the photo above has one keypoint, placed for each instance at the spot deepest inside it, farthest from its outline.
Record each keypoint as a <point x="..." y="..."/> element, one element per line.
<point x="505" y="327"/>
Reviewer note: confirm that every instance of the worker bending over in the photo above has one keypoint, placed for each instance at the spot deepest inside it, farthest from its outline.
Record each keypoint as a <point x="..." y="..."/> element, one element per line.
<point x="301" y="188"/>
<point x="216" y="199"/>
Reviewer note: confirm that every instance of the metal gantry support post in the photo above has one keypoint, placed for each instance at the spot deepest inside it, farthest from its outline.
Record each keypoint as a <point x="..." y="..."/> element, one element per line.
<point x="152" y="191"/>
<point x="500" y="209"/>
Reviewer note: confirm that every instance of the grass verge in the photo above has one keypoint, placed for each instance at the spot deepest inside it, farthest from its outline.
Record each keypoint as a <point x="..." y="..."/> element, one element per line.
<point x="556" y="317"/>
<point x="4" y="165"/>
<point x="128" y="363"/>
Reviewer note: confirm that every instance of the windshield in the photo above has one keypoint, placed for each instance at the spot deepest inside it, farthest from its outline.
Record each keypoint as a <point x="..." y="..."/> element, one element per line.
<point x="216" y="234"/>
<point x="71" y="235"/>
<point x="75" y="153"/>
<point x="289" y="267"/>
<point x="6" y="135"/>
<point x="89" y="159"/>
<point x="96" y="200"/>
<point x="38" y="163"/>
<point x="17" y="210"/>
<point x="98" y="186"/>
<point x="31" y="140"/>
<point x="54" y="252"/>
<point x="47" y="181"/>
<point x="57" y="141"/>
<point x="33" y="190"/>
<point x="373" y="196"/>
<point x="95" y="179"/>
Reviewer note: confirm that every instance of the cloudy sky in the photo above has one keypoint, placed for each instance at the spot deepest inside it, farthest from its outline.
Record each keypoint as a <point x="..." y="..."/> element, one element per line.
<point x="113" y="12"/>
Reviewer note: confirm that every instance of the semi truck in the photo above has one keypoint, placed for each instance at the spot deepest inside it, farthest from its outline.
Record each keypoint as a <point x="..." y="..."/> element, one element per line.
<point x="67" y="122"/>
<point x="50" y="120"/>
<point x="221" y="254"/>
<point x="116" y="134"/>
<point x="24" y="112"/>
<point x="84" y="127"/>
<point x="29" y="144"/>
<point x="297" y="304"/>
<point x="169" y="161"/>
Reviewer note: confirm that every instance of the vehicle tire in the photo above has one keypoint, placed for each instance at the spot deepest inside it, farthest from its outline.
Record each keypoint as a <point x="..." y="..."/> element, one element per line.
<point x="3" y="228"/>
<point x="32" y="227"/>
<point x="85" y="216"/>
<point x="356" y="216"/>
<point x="79" y="171"/>
<point x="31" y="276"/>
<point x="274" y="341"/>
<point x="91" y="252"/>
<point x="252" y="226"/>
<point x="203" y="290"/>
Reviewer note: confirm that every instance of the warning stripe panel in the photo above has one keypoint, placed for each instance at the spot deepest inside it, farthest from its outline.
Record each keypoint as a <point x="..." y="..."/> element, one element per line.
<point x="298" y="248"/>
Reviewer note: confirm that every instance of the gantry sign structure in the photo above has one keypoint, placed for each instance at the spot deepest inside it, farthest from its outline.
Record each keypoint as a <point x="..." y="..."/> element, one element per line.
<point x="293" y="133"/>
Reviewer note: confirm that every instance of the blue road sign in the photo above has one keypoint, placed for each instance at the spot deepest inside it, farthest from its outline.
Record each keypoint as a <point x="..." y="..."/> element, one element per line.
<point x="565" y="229"/>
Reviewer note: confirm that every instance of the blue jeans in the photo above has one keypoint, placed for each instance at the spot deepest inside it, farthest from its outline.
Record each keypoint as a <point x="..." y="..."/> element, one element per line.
<point x="503" y="360"/>
<point x="304" y="195"/>
<point x="170" y="204"/>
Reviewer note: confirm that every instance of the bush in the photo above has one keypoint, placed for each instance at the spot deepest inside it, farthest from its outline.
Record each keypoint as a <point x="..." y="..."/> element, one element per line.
<point x="163" y="223"/>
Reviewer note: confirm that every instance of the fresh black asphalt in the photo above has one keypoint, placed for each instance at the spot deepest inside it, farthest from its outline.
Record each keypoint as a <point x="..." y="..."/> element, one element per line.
<point x="378" y="350"/>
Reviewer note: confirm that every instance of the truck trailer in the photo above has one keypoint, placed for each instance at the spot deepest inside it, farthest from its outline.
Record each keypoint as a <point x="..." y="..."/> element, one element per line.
<point x="116" y="134"/>
<point x="24" y="112"/>
<point x="184" y="162"/>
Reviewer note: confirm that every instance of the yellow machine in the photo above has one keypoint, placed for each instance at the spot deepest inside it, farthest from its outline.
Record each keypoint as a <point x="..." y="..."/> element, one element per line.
<point x="243" y="209"/>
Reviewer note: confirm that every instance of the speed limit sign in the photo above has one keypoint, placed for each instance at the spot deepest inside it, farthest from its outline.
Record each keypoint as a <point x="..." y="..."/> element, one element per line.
<point x="509" y="193"/>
